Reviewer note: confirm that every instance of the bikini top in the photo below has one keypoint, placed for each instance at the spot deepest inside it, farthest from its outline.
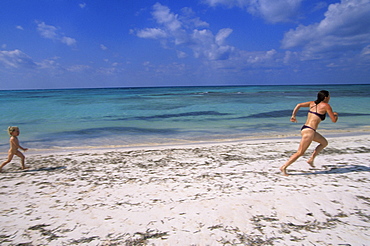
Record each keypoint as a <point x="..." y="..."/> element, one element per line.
<point x="322" y="116"/>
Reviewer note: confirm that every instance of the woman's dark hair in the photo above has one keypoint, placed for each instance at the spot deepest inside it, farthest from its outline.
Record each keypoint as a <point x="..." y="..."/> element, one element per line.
<point x="321" y="96"/>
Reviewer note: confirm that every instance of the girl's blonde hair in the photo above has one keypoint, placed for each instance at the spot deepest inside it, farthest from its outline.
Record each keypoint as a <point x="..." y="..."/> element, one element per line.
<point x="11" y="129"/>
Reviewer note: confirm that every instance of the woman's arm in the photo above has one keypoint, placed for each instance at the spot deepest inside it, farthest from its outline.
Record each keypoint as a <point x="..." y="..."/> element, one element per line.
<point x="333" y="115"/>
<point x="296" y="109"/>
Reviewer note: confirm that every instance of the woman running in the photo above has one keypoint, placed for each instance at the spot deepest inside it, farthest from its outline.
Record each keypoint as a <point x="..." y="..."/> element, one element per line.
<point x="317" y="113"/>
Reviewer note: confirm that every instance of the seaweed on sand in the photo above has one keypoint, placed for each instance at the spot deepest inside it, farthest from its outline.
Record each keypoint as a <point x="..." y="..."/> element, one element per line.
<point x="44" y="232"/>
<point x="144" y="236"/>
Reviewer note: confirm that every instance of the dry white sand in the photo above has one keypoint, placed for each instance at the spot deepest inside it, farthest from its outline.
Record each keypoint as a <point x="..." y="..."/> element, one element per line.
<point x="214" y="194"/>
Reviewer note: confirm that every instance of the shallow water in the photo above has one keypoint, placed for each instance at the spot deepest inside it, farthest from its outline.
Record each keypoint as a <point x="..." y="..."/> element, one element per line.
<point x="171" y="115"/>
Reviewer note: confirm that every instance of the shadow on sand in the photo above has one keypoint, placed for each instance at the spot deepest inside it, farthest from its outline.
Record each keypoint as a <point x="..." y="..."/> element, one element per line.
<point x="47" y="169"/>
<point x="337" y="170"/>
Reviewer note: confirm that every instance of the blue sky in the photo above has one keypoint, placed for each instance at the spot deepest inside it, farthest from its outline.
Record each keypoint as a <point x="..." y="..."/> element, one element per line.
<point x="129" y="43"/>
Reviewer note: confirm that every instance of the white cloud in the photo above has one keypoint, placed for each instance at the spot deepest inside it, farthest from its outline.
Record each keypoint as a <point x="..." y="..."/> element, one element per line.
<point x="242" y="61"/>
<point x="228" y="3"/>
<point x="154" y="33"/>
<point x="187" y="31"/>
<point x="300" y="36"/>
<point x="189" y="19"/>
<point x="222" y="35"/>
<point x="20" y="60"/>
<point x="51" y="32"/>
<point x="163" y="16"/>
<point x="107" y="70"/>
<point x="205" y="44"/>
<point x="68" y="41"/>
<point x="346" y="27"/>
<point x="320" y="5"/>
<point x="290" y="57"/>
<point x="365" y="51"/>
<point x="350" y="17"/>
<point x="103" y="47"/>
<point x="181" y="54"/>
<point x="271" y="10"/>
<point x="275" y="10"/>
<point x="260" y="57"/>
<point x="48" y="63"/>
<point x="19" y="27"/>
<point x="16" y="59"/>
<point x="78" y="68"/>
<point x="47" y="31"/>
<point x="82" y="5"/>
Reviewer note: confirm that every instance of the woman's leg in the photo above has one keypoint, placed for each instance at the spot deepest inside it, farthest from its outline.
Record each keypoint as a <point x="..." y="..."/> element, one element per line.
<point x="307" y="138"/>
<point x="322" y="144"/>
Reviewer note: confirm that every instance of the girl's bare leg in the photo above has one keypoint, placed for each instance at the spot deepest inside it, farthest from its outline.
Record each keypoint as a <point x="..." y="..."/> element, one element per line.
<point x="322" y="144"/>
<point x="10" y="158"/>
<point x="307" y="137"/>
<point x="20" y="155"/>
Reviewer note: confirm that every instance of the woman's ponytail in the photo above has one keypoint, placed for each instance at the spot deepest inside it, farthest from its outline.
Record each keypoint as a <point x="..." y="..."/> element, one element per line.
<point x="321" y="96"/>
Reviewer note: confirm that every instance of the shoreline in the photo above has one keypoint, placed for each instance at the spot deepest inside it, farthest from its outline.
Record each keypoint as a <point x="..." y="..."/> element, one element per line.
<point x="185" y="143"/>
<point x="204" y="194"/>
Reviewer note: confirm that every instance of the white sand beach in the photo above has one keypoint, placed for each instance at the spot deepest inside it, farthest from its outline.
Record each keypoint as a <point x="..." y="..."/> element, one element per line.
<point x="208" y="194"/>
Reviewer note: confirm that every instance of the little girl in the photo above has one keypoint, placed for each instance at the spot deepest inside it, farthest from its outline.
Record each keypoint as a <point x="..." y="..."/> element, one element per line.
<point x="14" y="146"/>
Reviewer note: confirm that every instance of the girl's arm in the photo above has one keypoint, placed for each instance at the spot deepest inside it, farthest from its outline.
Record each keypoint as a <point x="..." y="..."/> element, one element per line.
<point x="24" y="149"/>
<point x="296" y="109"/>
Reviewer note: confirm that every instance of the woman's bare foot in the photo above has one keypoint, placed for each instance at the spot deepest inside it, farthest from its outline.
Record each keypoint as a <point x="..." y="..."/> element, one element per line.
<point x="24" y="168"/>
<point x="310" y="162"/>
<point x="283" y="170"/>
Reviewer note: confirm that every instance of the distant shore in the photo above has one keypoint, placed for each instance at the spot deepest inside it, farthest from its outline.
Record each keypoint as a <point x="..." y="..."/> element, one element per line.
<point x="212" y="193"/>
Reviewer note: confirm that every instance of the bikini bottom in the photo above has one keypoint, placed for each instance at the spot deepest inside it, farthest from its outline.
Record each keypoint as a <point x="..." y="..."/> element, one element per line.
<point x="304" y="127"/>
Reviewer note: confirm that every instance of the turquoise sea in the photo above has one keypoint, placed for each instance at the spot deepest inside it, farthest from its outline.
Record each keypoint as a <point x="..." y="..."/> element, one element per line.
<point x="70" y="118"/>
